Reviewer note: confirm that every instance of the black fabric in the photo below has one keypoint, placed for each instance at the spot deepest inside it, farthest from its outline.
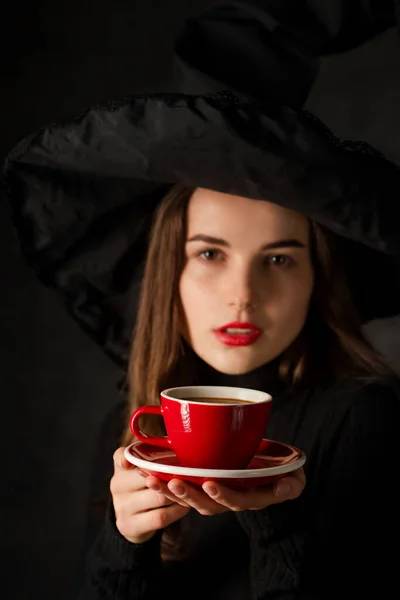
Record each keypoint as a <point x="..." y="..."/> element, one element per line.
<point x="272" y="48"/>
<point x="256" y="55"/>
<point x="82" y="195"/>
<point x="332" y="542"/>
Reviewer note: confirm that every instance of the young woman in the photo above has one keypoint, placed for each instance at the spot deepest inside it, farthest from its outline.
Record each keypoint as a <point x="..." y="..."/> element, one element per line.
<point x="216" y="258"/>
<point x="260" y="215"/>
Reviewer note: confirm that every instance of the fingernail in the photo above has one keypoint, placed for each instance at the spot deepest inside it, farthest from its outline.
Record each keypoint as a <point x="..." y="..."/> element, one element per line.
<point x="212" y="491"/>
<point x="282" y="489"/>
<point x="178" y="490"/>
<point x="154" y="487"/>
<point x="141" y="473"/>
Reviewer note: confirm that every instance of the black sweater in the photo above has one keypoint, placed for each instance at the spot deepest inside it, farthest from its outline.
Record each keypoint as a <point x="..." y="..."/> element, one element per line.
<point x="338" y="540"/>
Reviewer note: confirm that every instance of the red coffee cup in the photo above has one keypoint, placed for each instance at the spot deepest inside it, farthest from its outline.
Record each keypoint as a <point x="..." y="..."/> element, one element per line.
<point x="209" y="427"/>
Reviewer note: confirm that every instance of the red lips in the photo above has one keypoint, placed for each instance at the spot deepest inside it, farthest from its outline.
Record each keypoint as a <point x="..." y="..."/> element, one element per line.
<point x="238" y="333"/>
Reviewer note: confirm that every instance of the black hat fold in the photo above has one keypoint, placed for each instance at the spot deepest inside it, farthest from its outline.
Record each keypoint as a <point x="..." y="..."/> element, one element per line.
<point x="82" y="194"/>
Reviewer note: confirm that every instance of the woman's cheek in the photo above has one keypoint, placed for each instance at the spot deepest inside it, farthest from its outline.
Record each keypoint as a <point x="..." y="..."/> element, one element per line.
<point x="199" y="274"/>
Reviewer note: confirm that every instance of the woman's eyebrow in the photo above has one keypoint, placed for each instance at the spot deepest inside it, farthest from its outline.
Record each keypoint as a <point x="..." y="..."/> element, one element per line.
<point x="200" y="237"/>
<point x="289" y="243"/>
<point x="286" y="243"/>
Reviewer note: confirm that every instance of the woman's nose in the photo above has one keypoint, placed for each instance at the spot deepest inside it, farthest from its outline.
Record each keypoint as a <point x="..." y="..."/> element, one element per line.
<point x="242" y="304"/>
<point x="242" y="293"/>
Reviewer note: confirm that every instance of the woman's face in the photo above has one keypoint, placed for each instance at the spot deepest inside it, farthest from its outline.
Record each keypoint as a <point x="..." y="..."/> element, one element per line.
<point x="247" y="281"/>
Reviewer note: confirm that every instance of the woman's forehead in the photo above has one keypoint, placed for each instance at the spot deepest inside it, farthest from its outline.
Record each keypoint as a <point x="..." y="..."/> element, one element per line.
<point x="219" y="212"/>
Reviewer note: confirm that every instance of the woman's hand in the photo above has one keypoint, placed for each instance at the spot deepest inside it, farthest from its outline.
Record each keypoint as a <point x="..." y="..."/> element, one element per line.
<point x="215" y="498"/>
<point x="140" y="511"/>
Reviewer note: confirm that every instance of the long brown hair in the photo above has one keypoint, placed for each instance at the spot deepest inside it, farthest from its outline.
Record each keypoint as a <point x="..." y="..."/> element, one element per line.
<point x="332" y="340"/>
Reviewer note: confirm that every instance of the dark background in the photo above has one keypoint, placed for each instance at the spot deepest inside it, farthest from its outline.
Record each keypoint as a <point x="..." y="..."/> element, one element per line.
<point x="58" y="390"/>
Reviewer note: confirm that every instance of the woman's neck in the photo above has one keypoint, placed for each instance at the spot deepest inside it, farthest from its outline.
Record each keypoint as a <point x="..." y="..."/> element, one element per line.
<point x="263" y="378"/>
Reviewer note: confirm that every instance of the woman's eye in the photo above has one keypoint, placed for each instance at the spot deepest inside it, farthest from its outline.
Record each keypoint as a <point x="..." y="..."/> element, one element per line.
<point x="210" y="254"/>
<point x="280" y="260"/>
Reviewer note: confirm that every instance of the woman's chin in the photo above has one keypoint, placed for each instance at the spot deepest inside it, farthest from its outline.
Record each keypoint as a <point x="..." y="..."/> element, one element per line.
<point x="234" y="365"/>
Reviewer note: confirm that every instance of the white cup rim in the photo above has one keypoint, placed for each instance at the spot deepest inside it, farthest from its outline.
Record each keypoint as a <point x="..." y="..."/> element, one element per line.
<point x="215" y="391"/>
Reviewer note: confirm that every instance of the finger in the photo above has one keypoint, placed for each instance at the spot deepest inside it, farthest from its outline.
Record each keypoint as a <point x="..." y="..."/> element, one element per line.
<point x="195" y="497"/>
<point x="286" y="488"/>
<point x="290" y="487"/>
<point x="149" y="521"/>
<point x="141" y="501"/>
<point x="120" y="462"/>
<point x="300" y="474"/>
<point x="160" y="487"/>
<point x="126" y="482"/>
<point x="162" y="517"/>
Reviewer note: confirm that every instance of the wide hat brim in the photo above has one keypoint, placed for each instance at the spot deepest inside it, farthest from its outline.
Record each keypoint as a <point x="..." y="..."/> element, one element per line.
<point x="82" y="195"/>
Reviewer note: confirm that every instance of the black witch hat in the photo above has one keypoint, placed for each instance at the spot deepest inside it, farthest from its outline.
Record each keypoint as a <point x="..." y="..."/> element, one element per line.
<point x="82" y="194"/>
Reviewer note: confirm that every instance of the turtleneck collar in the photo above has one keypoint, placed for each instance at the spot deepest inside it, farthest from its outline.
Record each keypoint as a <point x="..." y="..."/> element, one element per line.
<point x="264" y="378"/>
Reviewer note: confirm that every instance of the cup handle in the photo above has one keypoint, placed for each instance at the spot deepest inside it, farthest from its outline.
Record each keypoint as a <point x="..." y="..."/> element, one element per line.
<point x="161" y="441"/>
